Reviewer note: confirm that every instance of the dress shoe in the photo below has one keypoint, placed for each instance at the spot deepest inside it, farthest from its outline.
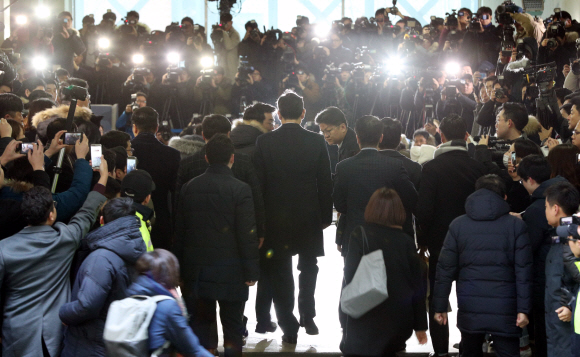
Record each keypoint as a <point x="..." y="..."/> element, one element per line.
<point x="433" y="354"/>
<point x="290" y="339"/>
<point x="268" y="327"/>
<point x="309" y="326"/>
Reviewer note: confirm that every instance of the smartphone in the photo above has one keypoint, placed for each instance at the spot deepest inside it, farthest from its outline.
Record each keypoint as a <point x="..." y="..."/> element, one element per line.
<point x="72" y="138"/>
<point x="96" y="152"/>
<point x="131" y="163"/>
<point x="514" y="159"/>
<point x="26" y="147"/>
<point x="566" y="221"/>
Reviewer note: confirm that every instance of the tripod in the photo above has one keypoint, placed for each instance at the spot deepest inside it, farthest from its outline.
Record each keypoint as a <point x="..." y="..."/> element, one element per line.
<point x="206" y="106"/>
<point x="172" y="101"/>
<point x="102" y="88"/>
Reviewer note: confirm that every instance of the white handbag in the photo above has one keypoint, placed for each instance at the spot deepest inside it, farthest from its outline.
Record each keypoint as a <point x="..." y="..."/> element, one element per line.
<point x="368" y="287"/>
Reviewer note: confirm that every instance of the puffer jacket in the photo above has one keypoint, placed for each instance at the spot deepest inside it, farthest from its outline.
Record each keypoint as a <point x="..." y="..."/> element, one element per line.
<point x="103" y="277"/>
<point x="168" y="322"/>
<point x="41" y="119"/>
<point x="488" y="252"/>
<point x="244" y="135"/>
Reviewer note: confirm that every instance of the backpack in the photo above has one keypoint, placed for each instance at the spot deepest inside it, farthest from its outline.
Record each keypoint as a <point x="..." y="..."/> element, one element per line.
<point x="126" y="331"/>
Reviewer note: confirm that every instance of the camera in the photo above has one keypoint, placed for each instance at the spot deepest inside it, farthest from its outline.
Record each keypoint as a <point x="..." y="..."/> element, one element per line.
<point x="134" y="105"/>
<point x="507" y="41"/>
<point x="331" y="72"/>
<point x="451" y="19"/>
<point x="173" y="27"/>
<point x="499" y="93"/>
<point x="165" y="130"/>
<point x="137" y="79"/>
<point x="172" y="74"/>
<point x="502" y="12"/>
<point x="24" y="148"/>
<point x="568" y="227"/>
<point x="575" y="68"/>
<point x="72" y="138"/>
<point x="217" y="37"/>
<point x="244" y="70"/>
<point x="474" y="24"/>
<point x="206" y="78"/>
<point x="74" y="92"/>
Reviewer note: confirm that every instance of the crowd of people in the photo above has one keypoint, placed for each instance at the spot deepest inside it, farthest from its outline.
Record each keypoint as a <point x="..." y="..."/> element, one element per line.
<point x="471" y="176"/>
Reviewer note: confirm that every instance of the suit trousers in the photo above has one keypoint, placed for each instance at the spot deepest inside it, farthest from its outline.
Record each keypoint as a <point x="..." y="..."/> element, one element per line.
<point x="277" y="284"/>
<point x="439" y="333"/>
<point x="504" y="346"/>
<point x="203" y="321"/>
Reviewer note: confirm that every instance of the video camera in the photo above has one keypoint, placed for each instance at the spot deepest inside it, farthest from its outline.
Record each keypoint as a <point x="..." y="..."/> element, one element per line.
<point x="568" y="228"/>
<point x="502" y="12"/>
<point x="543" y="75"/>
<point x="244" y="70"/>
<point x="137" y="79"/>
<point x="364" y="25"/>
<point x="507" y="40"/>
<point x="451" y="20"/>
<point x="217" y="37"/>
<point x="553" y="31"/>
<point x="331" y="72"/>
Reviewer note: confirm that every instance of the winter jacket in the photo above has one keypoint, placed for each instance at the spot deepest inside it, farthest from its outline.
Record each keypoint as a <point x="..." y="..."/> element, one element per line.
<point x="244" y="135"/>
<point x="41" y="119"/>
<point x="104" y="277"/>
<point x="561" y="55"/>
<point x="123" y="123"/>
<point x="168" y="322"/>
<point x="215" y="236"/>
<point x="187" y="144"/>
<point x="488" y="252"/>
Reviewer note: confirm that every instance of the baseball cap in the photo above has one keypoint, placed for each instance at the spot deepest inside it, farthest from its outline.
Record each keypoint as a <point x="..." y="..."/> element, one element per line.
<point x="137" y="185"/>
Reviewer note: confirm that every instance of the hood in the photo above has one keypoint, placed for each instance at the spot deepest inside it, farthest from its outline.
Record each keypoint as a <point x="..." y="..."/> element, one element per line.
<point x="533" y="126"/>
<point x="18" y="187"/>
<point x="122" y="237"/>
<point x="423" y="153"/>
<point x="186" y="145"/>
<point x="453" y="145"/>
<point x="485" y="205"/>
<point x="539" y="192"/>
<point x="246" y="133"/>
<point x="145" y="285"/>
<point x="45" y="117"/>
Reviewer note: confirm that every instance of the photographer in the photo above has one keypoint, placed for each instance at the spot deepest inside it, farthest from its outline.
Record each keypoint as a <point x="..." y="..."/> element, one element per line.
<point x="461" y="103"/>
<point x="195" y="49"/>
<point x="498" y="96"/>
<point x="177" y="83"/>
<point x="527" y="26"/>
<point x="66" y="42"/>
<point x="339" y="53"/>
<point x="106" y="81"/>
<point x="570" y="24"/>
<point x="309" y="89"/>
<point x="218" y="90"/>
<point x="227" y="55"/>
<point x="481" y="42"/>
<point x="559" y="47"/>
<point x="107" y="25"/>
<point x="132" y="19"/>
<point x="124" y="121"/>
<point x="455" y="24"/>
<point x="251" y="45"/>
<point x="572" y="81"/>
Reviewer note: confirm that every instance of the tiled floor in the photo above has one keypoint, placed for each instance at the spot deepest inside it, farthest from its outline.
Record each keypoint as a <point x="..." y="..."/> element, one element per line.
<point x="327" y="299"/>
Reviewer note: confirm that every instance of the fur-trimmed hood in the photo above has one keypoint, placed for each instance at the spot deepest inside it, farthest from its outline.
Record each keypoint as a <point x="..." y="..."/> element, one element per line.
<point x="45" y="117"/>
<point x="187" y="145"/>
<point x="533" y="126"/>
<point x="256" y="124"/>
<point x="571" y="37"/>
<point x="18" y="187"/>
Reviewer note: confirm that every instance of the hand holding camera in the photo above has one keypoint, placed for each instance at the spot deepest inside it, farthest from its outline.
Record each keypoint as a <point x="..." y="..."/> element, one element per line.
<point x="56" y="144"/>
<point x="11" y="153"/>
<point x="36" y="157"/>
<point x="82" y="147"/>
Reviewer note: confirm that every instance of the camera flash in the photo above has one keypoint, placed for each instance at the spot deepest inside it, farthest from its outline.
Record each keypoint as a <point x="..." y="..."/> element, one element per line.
<point x="104" y="43"/>
<point x="138" y="59"/>
<point x="21" y="20"/>
<point x="173" y="57"/>
<point x="39" y="63"/>
<point x="206" y="62"/>
<point x="42" y="12"/>
<point x="452" y="68"/>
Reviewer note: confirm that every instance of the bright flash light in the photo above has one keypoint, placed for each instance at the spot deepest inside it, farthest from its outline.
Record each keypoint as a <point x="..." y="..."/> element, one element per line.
<point x="322" y="30"/>
<point x="452" y="68"/>
<point x="206" y="62"/>
<point x="39" y="63"/>
<point x="138" y="59"/>
<point x="173" y="57"/>
<point x="42" y="12"/>
<point x="104" y="43"/>
<point x="21" y="20"/>
<point x="395" y="65"/>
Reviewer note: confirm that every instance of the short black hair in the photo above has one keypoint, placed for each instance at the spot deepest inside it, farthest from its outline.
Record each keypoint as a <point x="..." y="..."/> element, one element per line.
<point x="369" y="130"/>
<point x="290" y="105"/>
<point x="517" y="113"/>
<point x="484" y="10"/>
<point x="563" y="15"/>
<point x="575" y="101"/>
<point x="115" y="138"/>
<point x="465" y="9"/>
<point x="55" y="126"/>
<point x="111" y="159"/>
<point x="493" y="183"/>
<point x="219" y="149"/>
<point x="224" y="18"/>
<point x="33" y="82"/>
<point x="536" y="167"/>
<point x="258" y="112"/>
<point x="421" y="132"/>
<point x="120" y="157"/>
<point x="61" y="72"/>
<point x="187" y="19"/>
<point x="331" y="116"/>
<point x="118" y="208"/>
<point x="392" y="129"/>
<point x="133" y="13"/>
<point x="453" y="127"/>
<point x="565" y="195"/>
<point x="39" y="94"/>
<point x="215" y="124"/>
<point x="380" y="11"/>
<point x="561" y="93"/>
<point x="36" y="205"/>
<point x="90" y="129"/>
<point x="146" y="119"/>
<point x="113" y="188"/>
<point x="524" y="147"/>
<point x="10" y="104"/>
<point x="141" y="94"/>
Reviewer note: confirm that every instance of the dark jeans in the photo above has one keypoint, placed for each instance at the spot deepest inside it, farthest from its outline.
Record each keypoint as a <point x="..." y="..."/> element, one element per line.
<point x="277" y="284"/>
<point x="203" y="317"/>
<point x="439" y="333"/>
<point x="504" y="346"/>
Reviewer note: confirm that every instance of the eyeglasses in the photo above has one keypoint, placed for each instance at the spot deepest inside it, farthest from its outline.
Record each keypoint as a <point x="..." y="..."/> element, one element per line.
<point x="327" y="132"/>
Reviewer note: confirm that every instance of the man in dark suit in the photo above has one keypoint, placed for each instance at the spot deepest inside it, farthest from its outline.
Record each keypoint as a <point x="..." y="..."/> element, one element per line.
<point x="162" y="163"/>
<point x="358" y="177"/>
<point x="446" y="182"/>
<point x="294" y="170"/>
<point x="392" y="130"/>
<point x="332" y="123"/>
<point x="217" y="247"/>
<point x="195" y="165"/>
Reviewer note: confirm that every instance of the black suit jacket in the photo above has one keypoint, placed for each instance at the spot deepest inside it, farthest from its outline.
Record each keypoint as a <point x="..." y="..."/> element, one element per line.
<point x="446" y="182"/>
<point x="356" y="180"/>
<point x="162" y="163"/>
<point x="195" y="165"/>
<point x="294" y="170"/>
<point x="349" y="146"/>
<point x="413" y="168"/>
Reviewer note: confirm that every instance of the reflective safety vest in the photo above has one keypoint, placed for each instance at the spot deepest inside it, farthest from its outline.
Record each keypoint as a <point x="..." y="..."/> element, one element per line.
<point x="145" y="232"/>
